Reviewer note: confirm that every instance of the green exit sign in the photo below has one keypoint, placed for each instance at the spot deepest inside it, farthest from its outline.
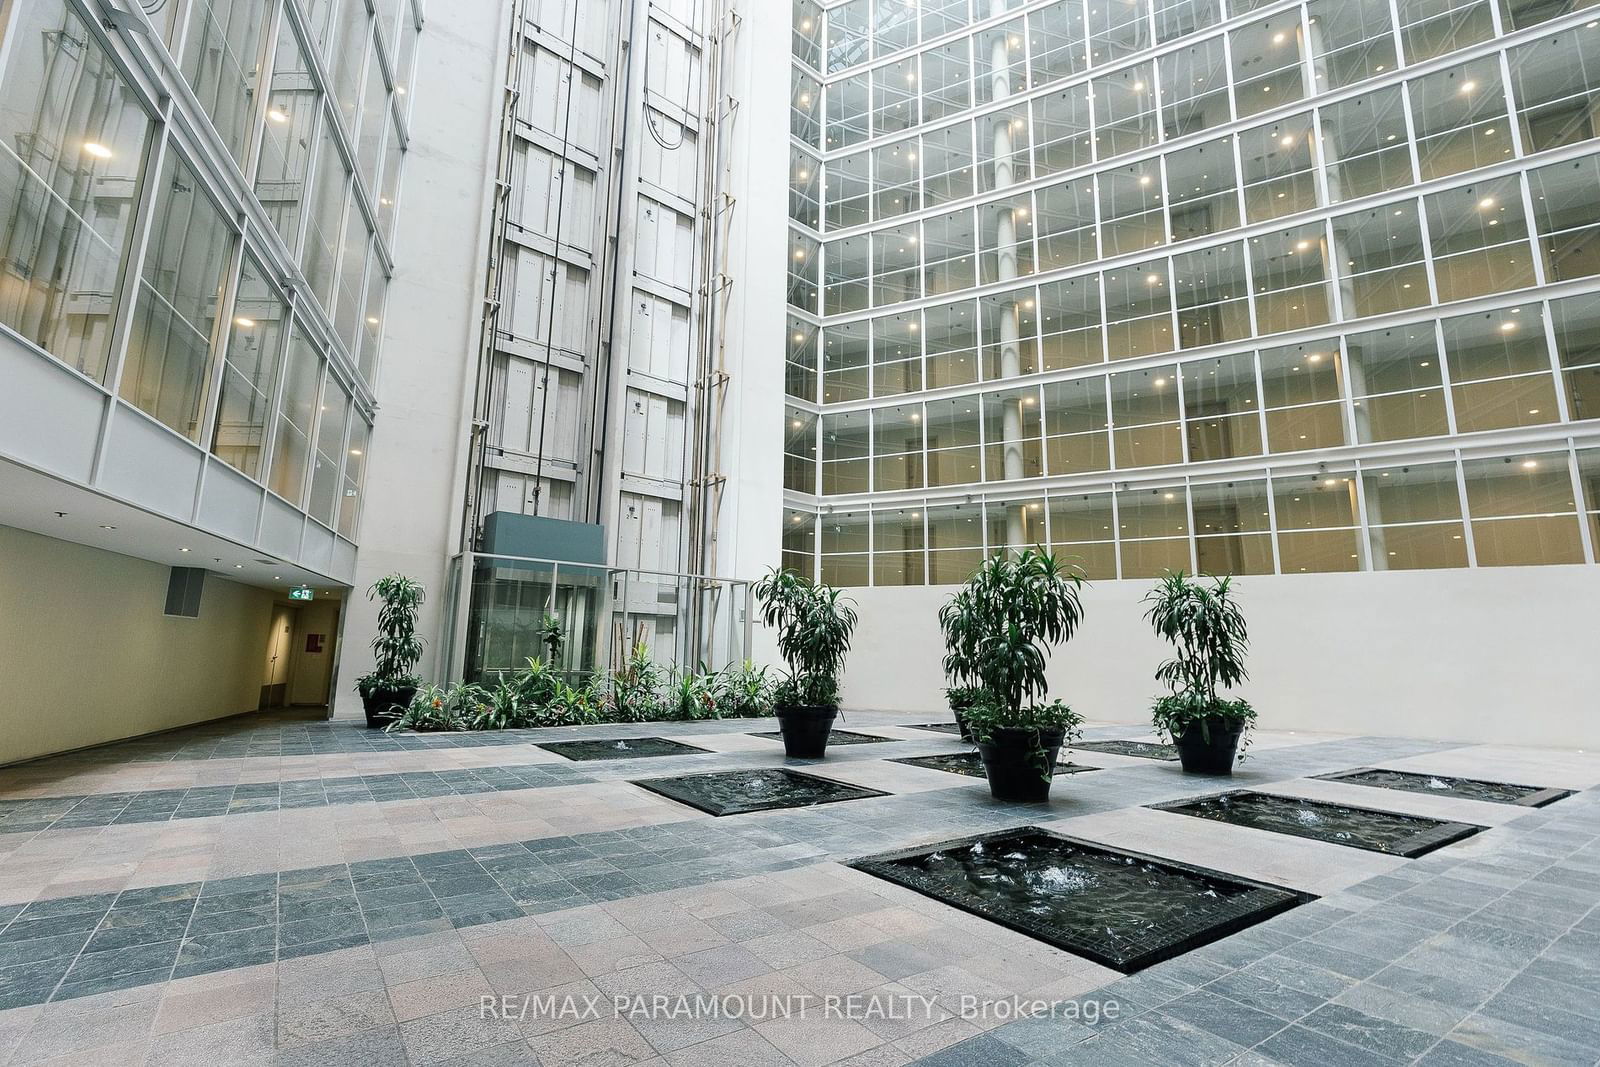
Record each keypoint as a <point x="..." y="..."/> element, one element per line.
<point x="299" y="594"/>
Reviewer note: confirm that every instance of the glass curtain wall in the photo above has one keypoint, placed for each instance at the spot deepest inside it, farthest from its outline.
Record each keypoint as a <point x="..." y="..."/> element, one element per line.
<point x="121" y="250"/>
<point x="1250" y="292"/>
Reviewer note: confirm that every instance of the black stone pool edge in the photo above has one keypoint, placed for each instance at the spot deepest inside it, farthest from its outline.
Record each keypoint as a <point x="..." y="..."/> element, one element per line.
<point x="1261" y="903"/>
<point x="1421" y="843"/>
<point x="1536" y="799"/>
<point x="663" y="787"/>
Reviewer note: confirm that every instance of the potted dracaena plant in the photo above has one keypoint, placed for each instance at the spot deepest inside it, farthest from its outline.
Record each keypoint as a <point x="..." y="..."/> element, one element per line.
<point x="814" y="624"/>
<point x="1204" y="625"/>
<point x="1003" y="622"/>
<point x="388" y="691"/>
<point x="959" y="625"/>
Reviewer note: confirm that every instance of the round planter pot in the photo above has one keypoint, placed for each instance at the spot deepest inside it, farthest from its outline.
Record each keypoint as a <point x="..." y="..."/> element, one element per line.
<point x="805" y="729"/>
<point x="384" y="706"/>
<point x="1216" y="756"/>
<point x="961" y="723"/>
<point x="1015" y="773"/>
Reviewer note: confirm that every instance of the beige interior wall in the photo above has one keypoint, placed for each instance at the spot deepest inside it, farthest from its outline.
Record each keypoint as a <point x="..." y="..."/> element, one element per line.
<point x="86" y="655"/>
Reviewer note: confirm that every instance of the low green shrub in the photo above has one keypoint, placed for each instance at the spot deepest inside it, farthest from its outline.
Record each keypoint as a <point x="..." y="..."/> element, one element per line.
<point x="539" y="695"/>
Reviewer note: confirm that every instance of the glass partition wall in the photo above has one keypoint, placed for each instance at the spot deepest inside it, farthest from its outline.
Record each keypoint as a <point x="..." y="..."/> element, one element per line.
<point x="247" y="323"/>
<point x="1225" y="286"/>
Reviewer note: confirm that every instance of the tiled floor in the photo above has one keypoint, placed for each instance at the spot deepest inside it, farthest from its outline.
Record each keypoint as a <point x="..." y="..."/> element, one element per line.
<point x="267" y="890"/>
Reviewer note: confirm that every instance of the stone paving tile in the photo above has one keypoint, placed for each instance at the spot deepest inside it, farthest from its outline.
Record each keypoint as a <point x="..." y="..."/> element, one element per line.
<point x="200" y="896"/>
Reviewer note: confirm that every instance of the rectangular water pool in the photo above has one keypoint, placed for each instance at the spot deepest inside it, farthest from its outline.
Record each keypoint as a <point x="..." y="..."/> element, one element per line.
<point x="761" y="789"/>
<point x="1121" y="909"/>
<point x="1376" y="831"/>
<point x="619" y="748"/>
<point x="971" y="764"/>
<point x="1142" y="749"/>
<point x="835" y="737"/>
<point x="1528" y="796"/>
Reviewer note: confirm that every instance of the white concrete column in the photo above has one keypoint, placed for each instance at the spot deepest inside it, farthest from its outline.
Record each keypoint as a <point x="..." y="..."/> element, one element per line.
<point x="1004" y="147"/>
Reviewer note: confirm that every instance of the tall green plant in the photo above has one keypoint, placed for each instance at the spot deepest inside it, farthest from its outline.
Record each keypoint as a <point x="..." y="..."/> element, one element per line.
<point x="815" y="623"/>
<point x="999" y="627"/>
<point x="397" y="646"/>
<point x="1206" y="629"/>
<point x="553" y="637"/>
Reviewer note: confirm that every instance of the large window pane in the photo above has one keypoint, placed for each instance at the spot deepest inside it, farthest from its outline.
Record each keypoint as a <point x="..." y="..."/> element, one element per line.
<point x="250" y="374"/>
<point x="1232" y="528"/>
<point x="846" y="452"/>
<point x="354" y="478"/>
<point x="1350" y="41"/>
<point x="1566" y="212"/>
<point x="222" y="64"/>
<point x="1154" y="527"/>
<point x="1414" y="517"/>
<point x="1317" y="527"/>
<point x="1202" y="190"/>
<point x="1380" y="259"/>
<point x="174" y="329"/>
<point x="899" y="540"/>
<point x="1125" y="115"/>
<point x="954" y="456"/>
<point x="1396" y="383"/>
<point x="1290" y="272"/>
<point x="1500" y="369"/>
<point x="1266" y="64"/>
<point x="1555" y="82"/>
<point x="1577" y="328"/>
<point x="1194" y="88"/>
<point x="1011" y="434"/>
<point x="1430" y="28"/>
<point x="1279" y="162"/>
<point x="897" y="447"/>
<point x="1301" y="390"/>
<point x="1131" y="214"/>
<point x="1365" y="144"/>
<point x="1138" y="309"/>
<point x="1077" y="430"/>
<point x="1460" y="118"/>
<point x="1222" y="414"/>
<point x="297" y="413"/>
<point x="951" y="332"/>
<point x="327" y="462"/>
<point x="288" y="134"/>
<point x="1082" y="531"/>
<point x="1145" y="430"/>
<point x="1069" y="323"/>
<point x="800" y="451"/>
<point x="1212" y="295"/>
<point x="1479" y="235"/>
<point x="1523" y="511"/>
<point x="72" y="146"/>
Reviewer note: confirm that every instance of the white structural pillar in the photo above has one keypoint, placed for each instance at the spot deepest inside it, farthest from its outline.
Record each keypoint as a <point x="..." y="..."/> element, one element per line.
<point x="1000" y="59"/>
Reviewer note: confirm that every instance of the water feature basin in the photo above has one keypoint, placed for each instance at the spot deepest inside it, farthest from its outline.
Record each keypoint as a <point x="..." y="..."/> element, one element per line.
<point x="1376" y="831"/>
<point x="760" y="789"/>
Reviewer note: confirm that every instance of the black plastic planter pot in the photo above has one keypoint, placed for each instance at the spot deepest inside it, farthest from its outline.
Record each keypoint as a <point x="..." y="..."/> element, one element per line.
<point x="1214" y="756"/>
<point x="384" y="706"/>
<point x="805" y="729"/>
<point x="1017" y="771"/>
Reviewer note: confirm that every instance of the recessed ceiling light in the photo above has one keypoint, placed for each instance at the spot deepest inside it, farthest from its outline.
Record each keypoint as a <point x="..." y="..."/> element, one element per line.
<point x="96" y="149"/>
<point x="183" y="550"/>
<point x="244" y="322"/>
<point x="103" y="526"/>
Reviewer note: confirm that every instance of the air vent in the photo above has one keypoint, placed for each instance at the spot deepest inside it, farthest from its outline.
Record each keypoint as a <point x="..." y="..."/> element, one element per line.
<point x="184" y="587"/>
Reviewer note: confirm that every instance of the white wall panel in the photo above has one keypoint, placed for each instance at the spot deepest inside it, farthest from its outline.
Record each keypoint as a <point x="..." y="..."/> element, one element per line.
<point x="675" y="169"/>
<point x="49" y="417"/>
<point x="150" y="465"/>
